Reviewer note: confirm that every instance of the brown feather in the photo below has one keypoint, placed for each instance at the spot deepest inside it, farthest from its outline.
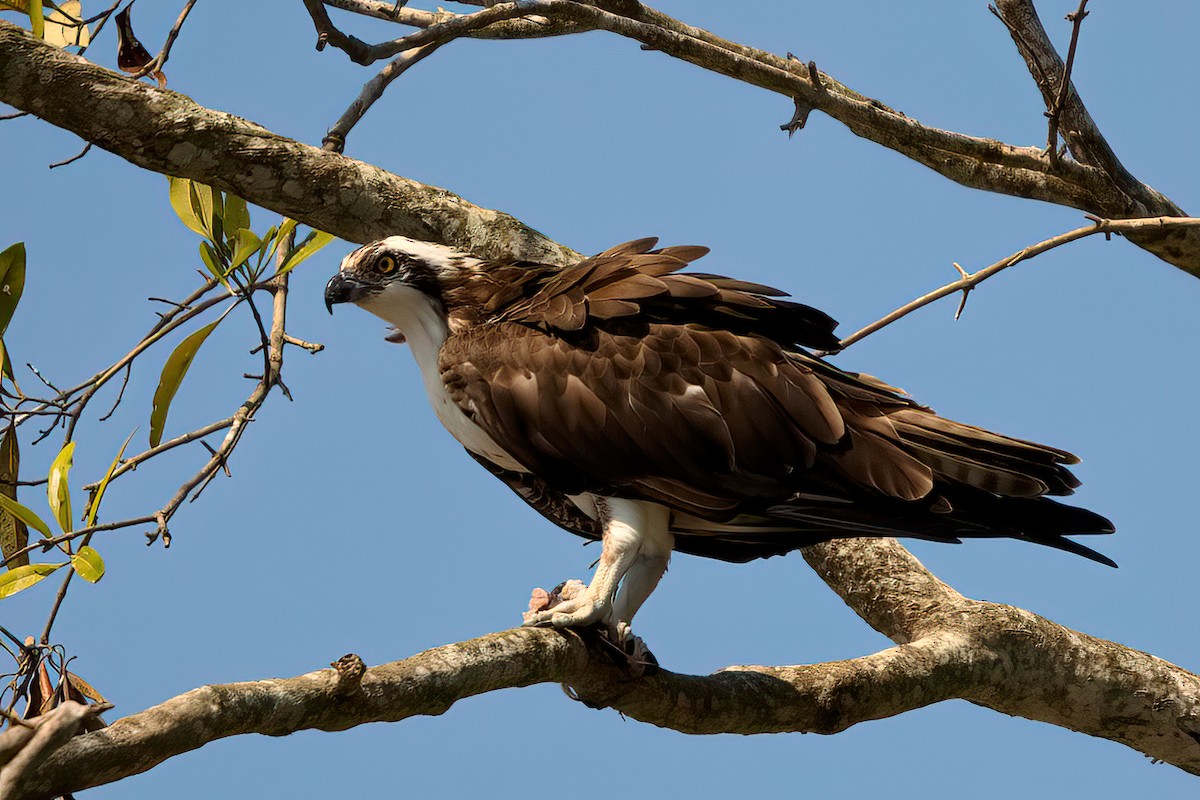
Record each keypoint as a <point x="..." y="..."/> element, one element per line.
<point x="621" y="376"/>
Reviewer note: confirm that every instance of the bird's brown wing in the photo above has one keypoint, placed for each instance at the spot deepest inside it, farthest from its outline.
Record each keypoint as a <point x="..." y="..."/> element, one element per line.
<point x="619" y="377"/>
<point x="635" y="281"/>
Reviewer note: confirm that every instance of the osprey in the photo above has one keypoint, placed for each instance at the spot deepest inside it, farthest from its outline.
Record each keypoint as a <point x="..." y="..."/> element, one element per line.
<point x="655" y="410"/>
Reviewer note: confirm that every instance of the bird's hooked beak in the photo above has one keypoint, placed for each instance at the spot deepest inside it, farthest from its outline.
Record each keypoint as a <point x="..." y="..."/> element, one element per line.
<point x="344" y="289"/>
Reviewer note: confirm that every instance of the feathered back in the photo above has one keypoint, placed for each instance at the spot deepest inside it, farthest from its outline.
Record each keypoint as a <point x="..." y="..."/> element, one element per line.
<point x="636" y="279"/>
<point x="622" y="376"/>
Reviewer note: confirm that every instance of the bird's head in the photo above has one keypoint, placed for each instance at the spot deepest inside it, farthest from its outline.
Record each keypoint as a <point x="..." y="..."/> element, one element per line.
<point x="399" y="279"/>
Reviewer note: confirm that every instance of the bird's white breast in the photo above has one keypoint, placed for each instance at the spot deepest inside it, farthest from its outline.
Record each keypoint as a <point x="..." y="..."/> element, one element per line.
<point x="425" y="330"/>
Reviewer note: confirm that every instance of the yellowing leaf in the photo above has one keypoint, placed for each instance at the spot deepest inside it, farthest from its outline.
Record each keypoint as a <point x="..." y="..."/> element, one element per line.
<point x="210" y="207"/>
<point x="311" y="244"/>
<point x="20" y="5"/>
<point x="25" y="515"/>
<point x="172" y="375"/>
<point x="12" y="282"/>
<point x="37" y="22"/>
<point x="94" y="506"/>
<point x="237" y="215"/>
<point x="20" y="578"/>
<point x="88" y="564"/>
<point x="14" y="533"/>
<point x="64" y="26"/>
<point x="182" y="200"/>
<point x="84" y="688"/>
<point x="247" y="242"/>
<point x="212" y="262"/>
<point x="57" y="489"/>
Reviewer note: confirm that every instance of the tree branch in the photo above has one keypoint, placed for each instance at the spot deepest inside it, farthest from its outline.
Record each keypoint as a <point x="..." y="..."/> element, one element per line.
<point x="169" y="133"/>
<point x="1097" y="184"/>
<point x="969" y="281"/>
<point x="993" y="655"/>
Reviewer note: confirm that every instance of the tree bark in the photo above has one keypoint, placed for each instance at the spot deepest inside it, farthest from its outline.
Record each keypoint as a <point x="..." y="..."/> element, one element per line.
<point x="169" y="133"/>
<point x="950" y="647"/>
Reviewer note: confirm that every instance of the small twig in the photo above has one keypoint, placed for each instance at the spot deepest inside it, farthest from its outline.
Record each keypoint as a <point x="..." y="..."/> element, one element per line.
<point x="54" y="541"/>
<point x="132" y="462"/>
<point x="14" y="115"/>
<point x="49" y="385"/>
<point x="962" y="304"/>
<point x="335" y="139"/>
<point x="215" y="454"/>
<point x="120" y="394"/>
<point x="167" y="323"/>
<point x="312" y="347"/>
<point x="73" y="158"/>
<point x="1054" y="114"/>
<point x="969" y="281"/>
<point x="180" y="306"/>
<point x="160" y="60"/>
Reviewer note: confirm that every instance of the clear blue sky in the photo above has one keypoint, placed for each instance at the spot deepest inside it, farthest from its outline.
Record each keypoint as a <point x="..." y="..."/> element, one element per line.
<point x="354" y="523"/>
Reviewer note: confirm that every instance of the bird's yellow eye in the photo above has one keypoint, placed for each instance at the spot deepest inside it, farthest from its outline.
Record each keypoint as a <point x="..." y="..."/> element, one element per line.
<point x="387" y="265"/>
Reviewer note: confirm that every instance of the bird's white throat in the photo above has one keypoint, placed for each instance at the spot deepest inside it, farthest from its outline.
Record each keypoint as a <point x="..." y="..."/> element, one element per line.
<point x="421" y="320"/>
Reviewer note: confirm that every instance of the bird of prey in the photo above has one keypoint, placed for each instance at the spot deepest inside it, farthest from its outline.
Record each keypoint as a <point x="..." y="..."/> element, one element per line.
<point x="658" y="410"/>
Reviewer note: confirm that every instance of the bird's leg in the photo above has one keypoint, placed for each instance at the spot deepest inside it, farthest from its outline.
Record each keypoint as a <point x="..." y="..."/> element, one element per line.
<point x="635" y="544"/>
<point x="639" y="582"/>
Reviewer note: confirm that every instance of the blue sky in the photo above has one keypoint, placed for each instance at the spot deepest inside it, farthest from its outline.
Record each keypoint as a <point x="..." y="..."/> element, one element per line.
<point x="354" y="523"/>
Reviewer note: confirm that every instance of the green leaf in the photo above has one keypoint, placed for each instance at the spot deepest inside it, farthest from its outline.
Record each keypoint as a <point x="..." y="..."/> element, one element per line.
<point x="172" y="375"/>
<point x="6" y="364"/>
<point x="212" y="262"/>
<point x="237" y="216"/>
<point x="20" y="578"/>
<point x="25" y="515"/>
<point x="311" y="244"/>
<point x="12" y="282"/>
<point x="88" y="564"/>
<point x="57" y="489"/>
<point x="182" y="201"/>
<point x="94" y="505"/>
<point x="268" y="242"/>
<point x="37" y="23"/>
<point x="208" y="204"/>
<point x="247" y="242"/>
<point x="203" y="203"/>
<point x="14" y="533"/>
<point x="285" y="228"/>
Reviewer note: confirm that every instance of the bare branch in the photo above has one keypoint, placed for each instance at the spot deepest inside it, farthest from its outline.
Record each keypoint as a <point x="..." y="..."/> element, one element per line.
<point x="993" y="655"/>
<point x="73" y="158"/>
<point x="511" y="29"/>
<point x="46" y="544"/>
<point x="969" y="281"/>
<point x="1054" y="115"/>
<point x="1087" y="145"/>
<point x="155" y="66"/>
<point x="335" y="139"/>
<point x="169" y="133"/>
<point x="1096" y="183"/>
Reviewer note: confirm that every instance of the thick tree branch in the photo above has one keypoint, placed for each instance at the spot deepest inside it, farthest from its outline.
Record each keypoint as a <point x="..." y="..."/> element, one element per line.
<point x="1097" y="184"/>
<point x="1082" y="135"/>
<point x="167" y="132"/>
<point x="993" y="655"/>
